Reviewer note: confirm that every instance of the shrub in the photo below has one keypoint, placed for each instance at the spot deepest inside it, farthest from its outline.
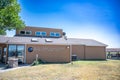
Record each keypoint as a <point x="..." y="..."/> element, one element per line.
<point x="37" y="62"/>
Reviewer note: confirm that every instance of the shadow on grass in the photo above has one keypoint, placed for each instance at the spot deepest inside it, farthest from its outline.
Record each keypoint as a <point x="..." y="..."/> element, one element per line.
<point x="3" y="66"/>
<point x="94" y="60"/>
<point x="55" y="63"/>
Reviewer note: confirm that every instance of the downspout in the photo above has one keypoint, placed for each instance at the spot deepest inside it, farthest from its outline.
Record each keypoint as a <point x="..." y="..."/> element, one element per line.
<point x="84" y="52"/>
<point x="105" y="53"/>
<point x="70" y="52"/>
<point x="6" y="59"/>
<point x="25" y="54"/>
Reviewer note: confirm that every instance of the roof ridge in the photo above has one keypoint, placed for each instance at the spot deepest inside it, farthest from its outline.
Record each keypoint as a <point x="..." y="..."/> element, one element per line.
<point x="42" y="27"/>
<point x="99" y="42"/>
<point x="80" y="38"/>
<point x="112" y="48"/>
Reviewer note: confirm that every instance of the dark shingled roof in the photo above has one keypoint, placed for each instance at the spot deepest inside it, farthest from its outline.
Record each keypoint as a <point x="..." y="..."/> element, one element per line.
<point x="60" y="41"/>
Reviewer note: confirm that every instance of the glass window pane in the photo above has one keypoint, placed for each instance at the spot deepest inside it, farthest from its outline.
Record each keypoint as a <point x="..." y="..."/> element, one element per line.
<point x="22" y="32"/>
<point x="20" y="50"/>
<point x="28" y="32"/>
<point x="57" y="34"/>
<point x="37" y="33"/>
<point x="43" y="33"/>
<point x="52" y="34"/>
<point x="4" y="52"/>
<point x="30" y="49"/>
<point x="11" y="50"/>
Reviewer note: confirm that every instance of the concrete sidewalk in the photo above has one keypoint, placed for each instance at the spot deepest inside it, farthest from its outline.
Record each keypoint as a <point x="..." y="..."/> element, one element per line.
<point x="3" y="67"/>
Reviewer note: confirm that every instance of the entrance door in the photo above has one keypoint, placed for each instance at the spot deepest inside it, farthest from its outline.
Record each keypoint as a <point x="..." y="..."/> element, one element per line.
<point x="20" y="53"/>
<point x="17" y="51"/>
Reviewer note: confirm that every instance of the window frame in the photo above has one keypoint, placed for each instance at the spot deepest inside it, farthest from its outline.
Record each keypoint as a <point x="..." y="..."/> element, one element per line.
<point x="22" y="34"/>
<point x="28" y="31"/>
<point x="55" y="34"/>
<point x="41" y="33"/>
<point x="25" y="32"/>
<point x="37" y="32"/>
<point x="17" y="54"/>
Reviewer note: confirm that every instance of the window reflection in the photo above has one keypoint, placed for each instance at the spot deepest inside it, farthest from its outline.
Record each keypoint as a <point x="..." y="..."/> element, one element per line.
<point x="12" y="50"/>
<point x="16" y="51"/>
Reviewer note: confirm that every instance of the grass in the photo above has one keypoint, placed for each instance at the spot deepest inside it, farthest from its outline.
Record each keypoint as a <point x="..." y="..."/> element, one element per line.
<point x="77" y="70"/>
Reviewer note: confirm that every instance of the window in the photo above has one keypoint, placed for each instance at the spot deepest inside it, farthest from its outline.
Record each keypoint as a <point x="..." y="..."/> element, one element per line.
<point x="12" y="50"/>
<point x="57" y="34"/>
<point x="25" y="32"/>
<point x="20" y="50"/>
<point x="44" y="34"/>
<point x="20" y="53"/>
<point x="54" y="34"/>
<point x="22" y="32"/>
<point x="30" y="49"/>
<point x="16" y="50"/>
<point x="37" y="33"/>
<point x="28" y="32"/>
<point x="40" y="33"/>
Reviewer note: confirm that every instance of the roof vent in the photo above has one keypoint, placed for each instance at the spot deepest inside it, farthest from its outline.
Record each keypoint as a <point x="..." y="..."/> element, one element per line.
<point x="48" y="40"/>
<point x="34" y="40"/>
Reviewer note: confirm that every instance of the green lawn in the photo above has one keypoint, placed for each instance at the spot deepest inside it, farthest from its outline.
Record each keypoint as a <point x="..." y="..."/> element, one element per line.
<point x="77" y="70"/>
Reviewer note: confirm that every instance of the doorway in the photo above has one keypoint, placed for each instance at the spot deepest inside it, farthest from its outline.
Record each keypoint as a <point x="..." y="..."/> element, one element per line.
<point x="17" y="51"/>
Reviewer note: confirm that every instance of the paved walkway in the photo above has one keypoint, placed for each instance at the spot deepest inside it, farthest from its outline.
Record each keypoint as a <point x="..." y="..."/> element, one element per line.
<point x="4" y="69"/>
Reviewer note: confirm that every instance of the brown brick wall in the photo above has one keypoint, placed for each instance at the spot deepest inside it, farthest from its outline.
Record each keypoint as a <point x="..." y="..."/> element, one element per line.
<point x="95" y="52"/>
<point x="48" y="53"/>
<point x="89" y="52"/>
<point x="34" y="29"/>
<point x="78" y="50"/>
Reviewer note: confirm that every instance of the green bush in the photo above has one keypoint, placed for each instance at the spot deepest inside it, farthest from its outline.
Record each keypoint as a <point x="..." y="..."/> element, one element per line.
<point x="37" y="62"/>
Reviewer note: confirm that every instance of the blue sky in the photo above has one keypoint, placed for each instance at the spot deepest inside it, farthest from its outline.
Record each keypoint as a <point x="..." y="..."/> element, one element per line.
<point x="89" y="19"/>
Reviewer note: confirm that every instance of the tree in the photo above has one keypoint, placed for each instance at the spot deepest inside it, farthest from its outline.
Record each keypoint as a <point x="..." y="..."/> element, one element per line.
<point x="64" y="33"/>
<point x="9" y="16"/>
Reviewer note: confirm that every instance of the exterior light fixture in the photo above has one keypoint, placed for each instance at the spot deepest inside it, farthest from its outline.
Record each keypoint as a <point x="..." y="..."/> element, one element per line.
<point x="68" y="47"/>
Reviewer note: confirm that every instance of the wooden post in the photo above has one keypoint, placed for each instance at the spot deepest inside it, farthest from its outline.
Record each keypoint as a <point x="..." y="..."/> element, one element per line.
<point x="36" y="57"/>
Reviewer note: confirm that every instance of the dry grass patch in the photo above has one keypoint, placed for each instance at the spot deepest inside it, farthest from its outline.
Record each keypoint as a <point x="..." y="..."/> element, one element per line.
<point x="78" y="70"/>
